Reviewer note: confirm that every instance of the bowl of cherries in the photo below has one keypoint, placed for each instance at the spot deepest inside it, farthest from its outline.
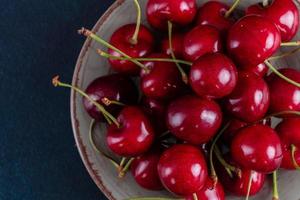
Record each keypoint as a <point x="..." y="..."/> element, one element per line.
<point x="194" y="100"/>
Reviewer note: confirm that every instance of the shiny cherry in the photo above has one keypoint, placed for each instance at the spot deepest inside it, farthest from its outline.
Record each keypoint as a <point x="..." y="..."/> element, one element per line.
<point x="213" y="76"/>
<point x="122" y="39"/>
<point x="289" y="133"/>
<point x="213" y="13"/>
<point x="179" y="12"/>
<point x="182" y="169"/>
<point x="201" y="40"/>
<point x="177" y="45"/>
<point x="252" y="40"/>
<point x="250" y="99"/>
<point x="260" y="70"/>
<point x="284" y="96"/>
<point x="135" y="134"/>
<point x="162" y="80"/>
<point x="258" y="148"/>
<point x="234" y="126"/>
<point x="284" y="13"/>
<point x="194" y="119"/>
<point x="113" y="87"/>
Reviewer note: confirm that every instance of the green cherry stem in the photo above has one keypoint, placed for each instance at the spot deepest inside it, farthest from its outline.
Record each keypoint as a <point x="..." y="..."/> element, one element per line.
<point x="271" y="67"/>
<point x="108" y="102"/>
<point x="57" y="83"/>
<point x="265" y="3"/>
<point x="88" y="33"/>
<point x="290" y="44"/>
<point x="275" y="186"/>
<point x="249" y="185"/>
<point x="233" y="7"/>
<point x="182" y="72"/>
<point x="123" y="161"/>
<point x="134" y="39"/>
<point x="293" y="151"/>
<point x="283" y="55"/>
<point x="124" y="170"/>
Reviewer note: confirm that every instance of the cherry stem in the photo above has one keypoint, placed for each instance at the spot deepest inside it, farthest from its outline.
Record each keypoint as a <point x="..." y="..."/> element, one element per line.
<point x="154" y="198"/>
<point x="123" y="160"/>
<point x="265" y="3"/>
<point x="281" y="75"/>
<point x="275" y="186"/>
<point x="233" y="7"/>
<point x="213" y="175"/>
<point x="90" y="34"/>
<point x="293" y="151"/>
<point x="107" y="55"/>
<point x="249" y="185"/>
<point x="124" y="169"/>
<point x="134" y="39"/>
<point x="91" y="139"/>
<point x="108" y="102"/>
<point x="195" y="197"/>
<point x="182" y="72"/>
<point x="284" y="54"/>
<point x="290" y="44"/>
<point x="56" y="82"/>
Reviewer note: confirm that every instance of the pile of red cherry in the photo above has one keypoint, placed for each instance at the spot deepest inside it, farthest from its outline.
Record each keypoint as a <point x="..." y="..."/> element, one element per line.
<point x="203" y="121"/>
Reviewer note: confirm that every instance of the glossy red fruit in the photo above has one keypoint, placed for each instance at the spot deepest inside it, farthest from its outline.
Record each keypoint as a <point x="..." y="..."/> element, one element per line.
<point x="179" y="12"/>
<point x="234" y="126"/>
<point x="201" y="40"/>
<point x="209" y="192"/>
<point x="213" y="13"/>
<point x="144" y="170"/>
<point x="135" y="135"/>
<point x="182" y="169"/>
<point x="193" y="119"/>
<point x="284" y="96"/>
<point x="252" y="40"/>
<point x="289" y="133"/>
<point x="162" y="80"/>
<point x="113" y="87"/>
<point x="213" y="76"/>
<point x="122" y="39"/>
<point x="250" y="99"/>
<point x="283" y="13"/>
<point x="177" y="45"/>
<point x="260" y="70"/>
<point x="258" y="148"/>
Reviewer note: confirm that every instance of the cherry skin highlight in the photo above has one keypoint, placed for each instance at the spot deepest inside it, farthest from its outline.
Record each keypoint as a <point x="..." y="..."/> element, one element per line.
<point x="134" y="137"/>
<point x="258" y="148"/>
<point x="193" y="119"/>
<point x="122" y="39"/>
<point x="114" y="87"/>
<point x="260" y="70"/>
<point x="284" y="13"/>
<point x="213" y="76"/>
<point x="179" y="12"/>
<point x="252" y="40"/>
<point x="182" y="169"/>
<point x="201" y="40"/>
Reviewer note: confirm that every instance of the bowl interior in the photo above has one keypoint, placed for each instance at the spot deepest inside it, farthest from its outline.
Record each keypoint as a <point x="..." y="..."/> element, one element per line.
<point x="91" y="66"/>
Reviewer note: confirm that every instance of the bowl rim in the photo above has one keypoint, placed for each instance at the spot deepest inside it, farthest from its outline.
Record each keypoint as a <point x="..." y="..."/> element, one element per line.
<point x="74" y="119"/>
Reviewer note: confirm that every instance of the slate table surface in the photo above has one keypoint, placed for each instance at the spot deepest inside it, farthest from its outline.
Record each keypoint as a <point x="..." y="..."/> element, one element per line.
<point x="38" y="157"/>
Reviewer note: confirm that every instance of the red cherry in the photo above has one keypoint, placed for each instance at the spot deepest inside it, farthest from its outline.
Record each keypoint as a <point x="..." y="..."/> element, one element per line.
<point x="289" y="133"/>
<point x="283" y="13"/>
<point x="134" y="136"/>
<point x="201" y="40"/>
<point x="213" y="13"/>
<point x="210" y="192"/>
<point x="194" y="119"/>
<point x="250" y="99"/>
<point x="177" y="45"/>
<point x="122" y="39"/>
<point x="252" y="40"/>
<point x="260" y="70"/>
<point x="162" y="80"/>
<point x="112" y="87"/>
<point x="179" y="12"/>
<point x="258" y="148"/>
<point x="283" y="95"/>
<point x="182" y="169"/>
<point x="144" y="171"/>
<point x="234" y="126"/>
<point x="213" y="76"/>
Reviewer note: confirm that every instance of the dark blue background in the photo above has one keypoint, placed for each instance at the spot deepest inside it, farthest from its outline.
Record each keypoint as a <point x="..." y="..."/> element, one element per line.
<point x="38" y="157"/>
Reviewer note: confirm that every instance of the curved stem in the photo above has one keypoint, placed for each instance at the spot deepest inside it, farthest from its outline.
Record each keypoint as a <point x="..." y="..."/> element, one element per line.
<point x="233" y="7"/>
<point x="182" y="72"/>
<point x="90" y="34"/>
<point x="134" y="39"/>
<point x="284" y="54"/>
<point x="265" y="3"/>
<point x="125" y="168"/>
<point x="56" y="82"/>
<point x="293" y="151"/>
<point x="281" y="75"/>
<point x="275" y="186"/>
<point x="195" y="197"/>
<point x="290" y="44"/>
<point x="249" y="186"/>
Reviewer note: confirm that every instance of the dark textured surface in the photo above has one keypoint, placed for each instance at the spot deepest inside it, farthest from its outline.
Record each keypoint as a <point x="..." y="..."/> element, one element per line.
<point x="38" y="158"/>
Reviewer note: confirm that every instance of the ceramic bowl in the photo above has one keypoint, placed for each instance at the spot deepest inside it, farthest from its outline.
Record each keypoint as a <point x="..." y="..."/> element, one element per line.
<point x="90" y="66"/>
